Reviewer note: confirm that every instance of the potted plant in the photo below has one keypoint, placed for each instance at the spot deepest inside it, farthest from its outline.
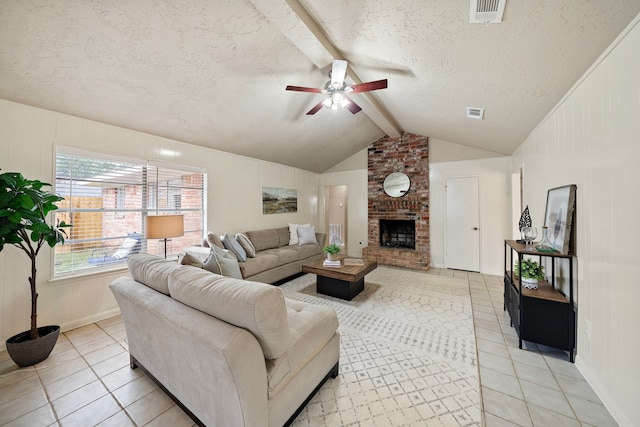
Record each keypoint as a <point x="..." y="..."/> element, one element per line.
<point x="24" y="207"/>
<point x="332" y="250"/>
<point x="530" y="272"/>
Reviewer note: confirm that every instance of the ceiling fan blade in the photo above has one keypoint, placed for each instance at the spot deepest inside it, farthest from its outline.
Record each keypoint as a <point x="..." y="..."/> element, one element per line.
<point x="366" y="87"/>
<point x="315" y="109"/>
<point x="352" y="106"/>
<point x="338" y="71"/>
<point x="304" y="89"/>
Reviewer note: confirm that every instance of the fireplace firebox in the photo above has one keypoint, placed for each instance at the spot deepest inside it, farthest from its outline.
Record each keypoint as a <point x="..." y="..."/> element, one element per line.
<point x="398" y="233"/>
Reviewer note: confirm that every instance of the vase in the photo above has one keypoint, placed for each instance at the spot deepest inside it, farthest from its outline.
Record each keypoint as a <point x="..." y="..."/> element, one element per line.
<point x="545" y="244"/>
<point x="529" y="283"/>
<point x="332" y="257"/>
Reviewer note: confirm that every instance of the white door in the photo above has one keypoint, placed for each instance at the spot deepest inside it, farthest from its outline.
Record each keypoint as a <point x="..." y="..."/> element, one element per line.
<point x="462" y="238"/>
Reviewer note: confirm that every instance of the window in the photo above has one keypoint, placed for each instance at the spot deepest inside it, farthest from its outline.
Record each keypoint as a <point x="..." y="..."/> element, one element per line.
<point x="106" y="202"/>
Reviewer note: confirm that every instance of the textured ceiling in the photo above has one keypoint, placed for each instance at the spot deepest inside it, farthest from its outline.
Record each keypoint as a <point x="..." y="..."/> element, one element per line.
<point x="213" y="73"/>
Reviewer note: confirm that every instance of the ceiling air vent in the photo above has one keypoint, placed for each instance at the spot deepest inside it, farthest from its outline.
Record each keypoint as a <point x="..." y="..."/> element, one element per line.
<point x="486" y="11"/>
<point x="475" y="113"/>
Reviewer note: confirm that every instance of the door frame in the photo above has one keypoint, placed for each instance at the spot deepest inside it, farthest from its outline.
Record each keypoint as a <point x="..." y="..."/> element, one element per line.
<point x="480" y="216"/>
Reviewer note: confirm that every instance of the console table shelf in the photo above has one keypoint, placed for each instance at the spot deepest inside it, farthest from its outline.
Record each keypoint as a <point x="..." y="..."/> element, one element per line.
<point x="544" y="315"/>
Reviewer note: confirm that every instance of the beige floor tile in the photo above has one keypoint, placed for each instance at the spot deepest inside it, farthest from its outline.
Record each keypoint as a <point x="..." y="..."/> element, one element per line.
<point x="543" y="417"/>
<point x="134" y="390"/>
<point x="590" y="412"/>
<point x="94" y="345"/>
<point x="149" y="407"/>
<point x="93" y="413"/>
<point x="18" y="407"/>
<point x="492" y="347"/>
<point x="112" y="364"/>
<point x="104" y="353"/>
<point x="70" y="383"/>
<point x="55" y="373"/>
<point x="528" y="358"/>
<point x="115" y="320"/>
<point x="547" y="398"/>
<point x="577" y="387"/>
<point x="174" y="417"/>
<point x="18" y="389"/>
<point x="497" y="363"/>
<point x="78" y="398"/>
<point x="506" y="407"/>
<point x="122" y="376"/>
<point x="539" y="376"/>
<point x="58" y="358"/>
<point x="562" y="367"/>
<point x="489" y="335"/>
<point x="13" y="374"/>
<point x="43" y="416"/>
<point x="120" y="419"/>
<point x="503" y="383"/>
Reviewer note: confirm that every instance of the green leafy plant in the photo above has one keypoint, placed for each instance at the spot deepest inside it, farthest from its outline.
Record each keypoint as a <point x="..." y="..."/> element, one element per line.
<point x="529" y="269"/>
<point x="332" y="249"/>
<point x="24" y="207"/>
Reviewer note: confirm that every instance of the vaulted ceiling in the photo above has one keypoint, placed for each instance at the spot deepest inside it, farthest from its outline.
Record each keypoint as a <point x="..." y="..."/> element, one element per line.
<point x="213" y="73"/>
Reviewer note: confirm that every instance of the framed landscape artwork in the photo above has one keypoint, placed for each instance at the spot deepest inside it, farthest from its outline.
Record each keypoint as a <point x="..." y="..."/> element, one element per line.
<point x="558" y="217"/>
<point x="279" y="200"/>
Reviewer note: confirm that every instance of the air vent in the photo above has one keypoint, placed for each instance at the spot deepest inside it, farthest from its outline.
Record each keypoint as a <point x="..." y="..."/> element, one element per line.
<point x="475" y="113"/>
<point x="486" y="11"/>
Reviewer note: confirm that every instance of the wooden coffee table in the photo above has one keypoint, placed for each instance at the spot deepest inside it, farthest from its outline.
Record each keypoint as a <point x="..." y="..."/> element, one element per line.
<point x="343" y="282"/>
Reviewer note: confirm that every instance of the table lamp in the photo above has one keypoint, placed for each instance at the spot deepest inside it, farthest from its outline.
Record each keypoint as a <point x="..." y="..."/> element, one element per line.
<point x="164" y="226"/>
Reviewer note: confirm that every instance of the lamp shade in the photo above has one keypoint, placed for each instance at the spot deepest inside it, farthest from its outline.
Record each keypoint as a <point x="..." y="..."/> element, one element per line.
<point x="164" y="226"/>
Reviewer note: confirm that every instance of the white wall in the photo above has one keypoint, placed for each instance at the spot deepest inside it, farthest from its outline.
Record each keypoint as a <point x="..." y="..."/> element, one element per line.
<point x="234" y="185"/>
<point x="495" y="197"/>
<point x="592" y="139"/>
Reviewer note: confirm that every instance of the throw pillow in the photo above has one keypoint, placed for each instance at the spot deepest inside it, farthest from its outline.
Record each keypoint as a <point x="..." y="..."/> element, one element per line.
<point x="306" y="235"/>
<point x="214" y="240"/>
<point x="232" y="244"/>
<point x="293" y="232"/>
<point x="188" y="259"/>
<point x="222" y="262"/>
<point x="246" y="245"/>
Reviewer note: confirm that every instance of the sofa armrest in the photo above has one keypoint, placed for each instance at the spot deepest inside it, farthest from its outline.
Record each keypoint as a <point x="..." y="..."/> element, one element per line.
<point x="214" y="369"/>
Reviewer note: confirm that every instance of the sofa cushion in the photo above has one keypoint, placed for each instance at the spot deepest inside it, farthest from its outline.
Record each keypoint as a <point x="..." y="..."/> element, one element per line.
<point x="306" y="251"/>
<point x="257" y="307"/>
<point x="306" y="235"/>
<point x="311" y="327"/>
<point x="264" y="239"/>
<point x="286" y="255"/>
<point x="188" y="259"/>
<point x="152" y="271"/>
<point x="222" y="262"/>
<point x="214" y="240"/>
<point x="283" y="236"/>
<point x="263" y="261"/>
<point x="246" y="245"/>
<point x="230" y="243"/>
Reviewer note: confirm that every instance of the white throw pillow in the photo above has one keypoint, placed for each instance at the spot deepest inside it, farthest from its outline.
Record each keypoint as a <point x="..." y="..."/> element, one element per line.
<point x="293" y="232"/>
<point x="306" y="235"/>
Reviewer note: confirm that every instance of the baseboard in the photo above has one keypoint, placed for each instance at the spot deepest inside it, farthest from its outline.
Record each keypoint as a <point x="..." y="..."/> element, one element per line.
<point x="67" y="326"/>
<point x="608" y="401"/>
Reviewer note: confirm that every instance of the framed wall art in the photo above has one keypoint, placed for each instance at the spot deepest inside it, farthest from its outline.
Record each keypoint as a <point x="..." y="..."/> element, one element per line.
<point x="279" y="200"/>
<point x="559" y="216"/>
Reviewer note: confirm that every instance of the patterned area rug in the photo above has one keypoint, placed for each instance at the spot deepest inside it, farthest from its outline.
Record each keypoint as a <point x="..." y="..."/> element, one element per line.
<point x="407" y="353"/>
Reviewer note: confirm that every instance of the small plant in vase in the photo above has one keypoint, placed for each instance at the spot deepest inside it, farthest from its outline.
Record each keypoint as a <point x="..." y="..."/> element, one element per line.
<point x="530" y="272"/>
<point x="332" y="251"/>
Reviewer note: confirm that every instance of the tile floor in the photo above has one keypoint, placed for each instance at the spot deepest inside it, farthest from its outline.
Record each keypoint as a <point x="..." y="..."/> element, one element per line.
<point x="87" y="380"/>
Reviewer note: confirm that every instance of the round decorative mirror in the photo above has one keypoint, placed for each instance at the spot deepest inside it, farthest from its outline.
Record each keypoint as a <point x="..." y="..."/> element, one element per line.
<point x="396" y="184"/>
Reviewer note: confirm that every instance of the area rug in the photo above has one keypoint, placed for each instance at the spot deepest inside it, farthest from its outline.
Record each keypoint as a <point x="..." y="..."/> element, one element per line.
<point x="407" y="353"/>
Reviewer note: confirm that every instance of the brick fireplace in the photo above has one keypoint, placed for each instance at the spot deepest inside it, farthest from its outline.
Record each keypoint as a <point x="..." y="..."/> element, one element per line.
<point x="408" y="153"/>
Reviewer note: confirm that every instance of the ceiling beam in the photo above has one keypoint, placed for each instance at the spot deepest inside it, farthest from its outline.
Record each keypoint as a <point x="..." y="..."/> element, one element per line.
<point x="372" y="107"/>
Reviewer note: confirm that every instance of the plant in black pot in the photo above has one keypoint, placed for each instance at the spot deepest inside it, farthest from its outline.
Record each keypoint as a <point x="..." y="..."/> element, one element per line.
<point x="24" y="206"/>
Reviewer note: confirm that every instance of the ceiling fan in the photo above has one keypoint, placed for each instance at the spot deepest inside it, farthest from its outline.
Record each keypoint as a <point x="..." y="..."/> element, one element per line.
<point x="336" y="90"/>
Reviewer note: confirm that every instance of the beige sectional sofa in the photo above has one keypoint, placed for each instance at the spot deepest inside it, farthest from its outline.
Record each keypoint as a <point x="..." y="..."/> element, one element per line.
<point x="232" y="352"/>
<point x="275" y="259"/>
